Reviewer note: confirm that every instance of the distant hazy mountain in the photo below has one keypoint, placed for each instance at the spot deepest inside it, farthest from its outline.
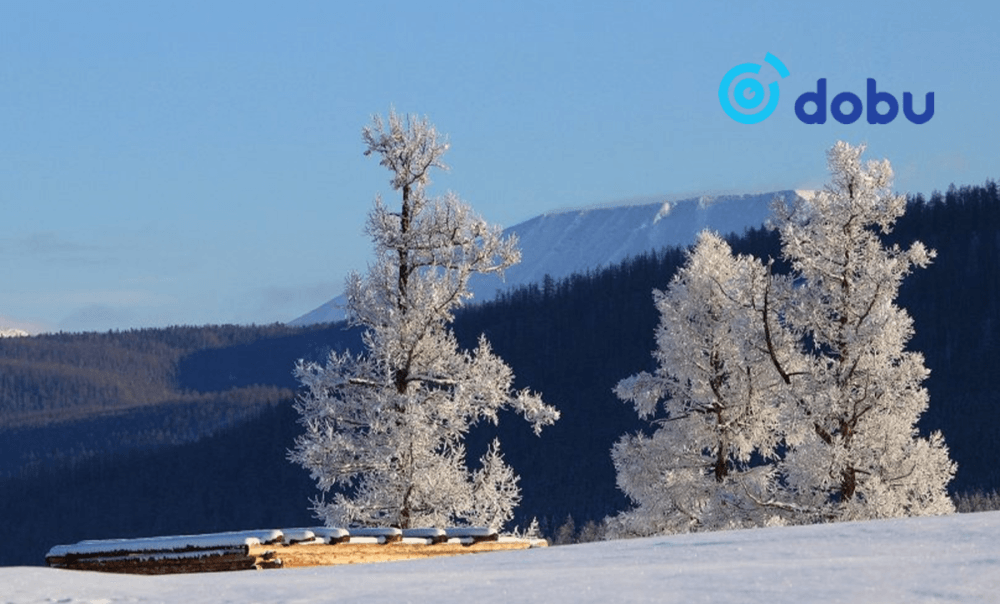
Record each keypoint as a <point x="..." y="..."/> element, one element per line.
<point x="564" y="242"/>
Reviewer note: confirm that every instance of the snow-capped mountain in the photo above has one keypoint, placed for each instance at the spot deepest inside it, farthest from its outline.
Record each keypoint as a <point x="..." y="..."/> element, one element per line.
<point x="564" y="242"/>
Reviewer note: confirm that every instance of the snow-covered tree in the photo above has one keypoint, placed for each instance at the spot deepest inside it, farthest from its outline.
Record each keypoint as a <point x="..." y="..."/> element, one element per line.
<point x="385" y="430"/>
<point x="855" y="451"/>
<point x="719" y="395"/>
<point x="788" y="398"/>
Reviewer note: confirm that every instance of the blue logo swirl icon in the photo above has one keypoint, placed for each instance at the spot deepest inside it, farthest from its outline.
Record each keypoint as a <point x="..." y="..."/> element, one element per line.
<point x="756" y="102"/>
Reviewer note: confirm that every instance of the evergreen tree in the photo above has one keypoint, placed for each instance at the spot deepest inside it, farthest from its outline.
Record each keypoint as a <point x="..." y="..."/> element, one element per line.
<point x="855" y="451"/>
<point x="719" y="396"/>
<point x="387" y="428"/>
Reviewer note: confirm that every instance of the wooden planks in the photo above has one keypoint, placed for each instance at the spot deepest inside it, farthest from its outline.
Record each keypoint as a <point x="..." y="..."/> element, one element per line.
<point x="296" y="556"/>
<point x="289" y="548"/>
<point x="161" y="563"/>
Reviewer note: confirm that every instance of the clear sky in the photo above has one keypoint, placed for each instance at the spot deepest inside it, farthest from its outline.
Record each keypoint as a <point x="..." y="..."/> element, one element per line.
<point x="192" y="162"/>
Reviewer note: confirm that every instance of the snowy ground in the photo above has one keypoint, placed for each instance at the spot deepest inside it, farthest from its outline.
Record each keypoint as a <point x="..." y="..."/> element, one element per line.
<point x="949" y="559"/>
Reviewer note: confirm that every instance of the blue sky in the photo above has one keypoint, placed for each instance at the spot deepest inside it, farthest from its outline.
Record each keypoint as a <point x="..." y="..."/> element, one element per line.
<point x="201" y="162"/>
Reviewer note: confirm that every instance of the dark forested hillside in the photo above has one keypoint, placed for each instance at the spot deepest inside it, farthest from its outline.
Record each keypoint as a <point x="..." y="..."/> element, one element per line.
<point x="570" y="339"/>
<point x="235" y="478"/>
<point x="187" y="432"/>
<point x="65" y="397"/>
<point x="956" y="311"/>
<point x="61" y="377"/>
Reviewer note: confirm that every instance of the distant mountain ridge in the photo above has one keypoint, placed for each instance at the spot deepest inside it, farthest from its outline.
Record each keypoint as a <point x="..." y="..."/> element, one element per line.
<point x="564" y="242"/>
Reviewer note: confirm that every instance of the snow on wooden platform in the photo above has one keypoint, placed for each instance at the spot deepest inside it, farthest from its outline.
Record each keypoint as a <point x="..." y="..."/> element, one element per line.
<point x="286" y="548"/>
<point x="173" y="543"/>
<point x="332" y="535"/>
<point x="435" y="535"/>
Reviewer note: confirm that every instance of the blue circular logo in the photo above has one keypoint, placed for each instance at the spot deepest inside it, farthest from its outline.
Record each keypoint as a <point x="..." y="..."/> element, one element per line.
<point x="755" y="101"/>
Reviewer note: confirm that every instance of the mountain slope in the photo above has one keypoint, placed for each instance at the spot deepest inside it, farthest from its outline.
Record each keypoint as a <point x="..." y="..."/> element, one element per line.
<point x="561" y="243"/>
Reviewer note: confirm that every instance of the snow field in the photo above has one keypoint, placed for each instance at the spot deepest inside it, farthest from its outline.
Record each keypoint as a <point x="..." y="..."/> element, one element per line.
<point x="949" y="558"/>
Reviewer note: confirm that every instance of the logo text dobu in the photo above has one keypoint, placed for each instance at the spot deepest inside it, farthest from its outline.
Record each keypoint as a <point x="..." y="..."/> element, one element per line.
<point x="872" y="100"/>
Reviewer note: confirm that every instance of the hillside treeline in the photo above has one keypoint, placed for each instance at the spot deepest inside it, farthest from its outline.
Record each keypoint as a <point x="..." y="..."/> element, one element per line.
<point x="67" y="397"/>
<point x="571" y="339"/>
<point x="65" y="376"/>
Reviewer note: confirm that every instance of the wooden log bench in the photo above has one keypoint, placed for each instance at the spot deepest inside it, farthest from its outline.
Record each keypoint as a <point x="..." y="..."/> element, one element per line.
<point x="164" y="555"/>
<point x="287" y="548"/>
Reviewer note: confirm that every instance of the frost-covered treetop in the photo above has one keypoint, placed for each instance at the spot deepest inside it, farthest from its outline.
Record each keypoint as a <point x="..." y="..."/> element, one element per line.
<point x="858" y="196"/>
<point x="409" y="148"/>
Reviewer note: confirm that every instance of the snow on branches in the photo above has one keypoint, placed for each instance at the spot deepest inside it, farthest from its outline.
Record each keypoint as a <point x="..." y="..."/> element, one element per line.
<point x="719" y="397"/>
<point x="788" y="398"/>
<point x="857" y="453"/>
<point x="385" y="430"/>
